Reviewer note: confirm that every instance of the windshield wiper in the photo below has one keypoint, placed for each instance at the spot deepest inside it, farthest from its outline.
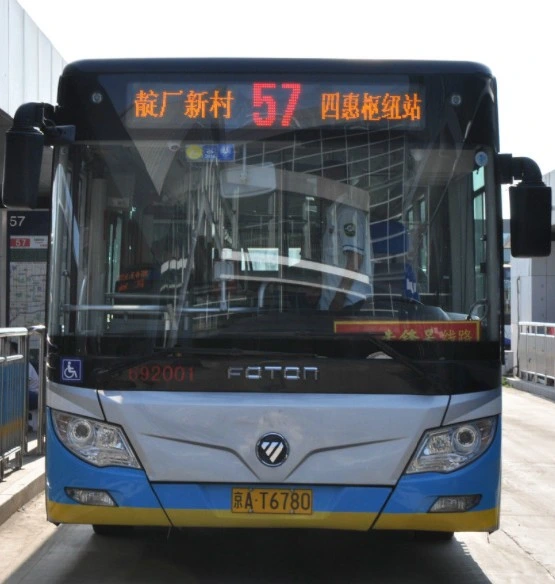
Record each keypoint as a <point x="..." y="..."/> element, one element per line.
<point x="479" y="303"/>
<point x="384" y="347"/>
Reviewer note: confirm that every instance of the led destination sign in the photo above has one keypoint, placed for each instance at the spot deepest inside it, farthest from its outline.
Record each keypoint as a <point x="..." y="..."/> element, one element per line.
<point x="274" y="105"/>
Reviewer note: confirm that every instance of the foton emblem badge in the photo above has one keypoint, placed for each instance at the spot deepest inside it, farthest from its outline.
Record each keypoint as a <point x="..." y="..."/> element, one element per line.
<point x="272" y="449"/>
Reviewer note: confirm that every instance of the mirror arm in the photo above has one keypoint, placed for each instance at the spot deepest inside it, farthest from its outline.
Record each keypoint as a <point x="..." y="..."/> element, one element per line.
<point x="29" y="115"/>
<point x="510" y="168"/>
<point x="39" y="115"/>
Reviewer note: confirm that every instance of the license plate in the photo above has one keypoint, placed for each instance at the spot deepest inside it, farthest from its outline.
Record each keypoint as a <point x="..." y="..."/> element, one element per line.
<point x="284" y="501"/>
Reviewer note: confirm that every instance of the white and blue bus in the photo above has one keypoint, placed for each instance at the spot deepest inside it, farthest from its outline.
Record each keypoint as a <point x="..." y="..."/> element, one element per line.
<point x="275" y="291"/>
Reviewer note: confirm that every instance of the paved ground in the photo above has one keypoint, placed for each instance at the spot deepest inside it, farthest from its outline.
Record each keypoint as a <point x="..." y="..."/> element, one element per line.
<point x="545" y="391"/>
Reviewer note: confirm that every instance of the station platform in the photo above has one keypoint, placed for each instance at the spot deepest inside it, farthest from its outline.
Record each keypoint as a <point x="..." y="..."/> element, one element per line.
<point x="21" y="485"/>
<point x="539" y="389"/>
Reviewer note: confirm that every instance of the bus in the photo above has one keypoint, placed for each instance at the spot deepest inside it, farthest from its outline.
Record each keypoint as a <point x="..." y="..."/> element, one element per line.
<point x="275" y="291"/>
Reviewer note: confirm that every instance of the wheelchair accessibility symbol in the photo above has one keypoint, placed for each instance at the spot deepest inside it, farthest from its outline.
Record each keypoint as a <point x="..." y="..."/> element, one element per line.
<point x="72" y="370"/>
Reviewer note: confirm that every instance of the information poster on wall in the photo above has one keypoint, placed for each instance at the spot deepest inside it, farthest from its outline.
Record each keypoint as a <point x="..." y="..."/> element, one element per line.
<point x="28" y="233"/>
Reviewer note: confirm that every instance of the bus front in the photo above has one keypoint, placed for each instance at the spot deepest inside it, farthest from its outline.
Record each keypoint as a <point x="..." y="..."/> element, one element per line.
<point x="275" y="296"/>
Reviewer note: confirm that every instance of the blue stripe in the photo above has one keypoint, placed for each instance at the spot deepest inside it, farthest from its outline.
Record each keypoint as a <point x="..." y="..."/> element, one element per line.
<point x="325" y="498"/>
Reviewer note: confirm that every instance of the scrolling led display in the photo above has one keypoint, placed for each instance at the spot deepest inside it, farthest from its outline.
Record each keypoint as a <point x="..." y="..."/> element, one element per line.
<point x="274" y="105"/>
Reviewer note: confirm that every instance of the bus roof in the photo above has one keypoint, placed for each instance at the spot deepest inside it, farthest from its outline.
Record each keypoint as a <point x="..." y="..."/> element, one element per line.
<point x="275" y="65"/>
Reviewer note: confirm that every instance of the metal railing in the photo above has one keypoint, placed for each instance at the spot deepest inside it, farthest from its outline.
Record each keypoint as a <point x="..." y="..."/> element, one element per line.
<point x="535" y="357"/>
<point x="14" y="390"/>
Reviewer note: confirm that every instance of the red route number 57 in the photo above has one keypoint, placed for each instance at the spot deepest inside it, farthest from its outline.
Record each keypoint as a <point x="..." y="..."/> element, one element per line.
<point x="264" y="102"/>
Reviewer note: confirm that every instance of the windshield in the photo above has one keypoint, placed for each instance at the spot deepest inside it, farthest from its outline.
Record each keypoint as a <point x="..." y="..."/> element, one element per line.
<point x="314" y="233"/>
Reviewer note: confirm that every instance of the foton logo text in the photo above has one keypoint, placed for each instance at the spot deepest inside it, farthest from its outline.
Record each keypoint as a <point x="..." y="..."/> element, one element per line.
<point x="274" y="372"/>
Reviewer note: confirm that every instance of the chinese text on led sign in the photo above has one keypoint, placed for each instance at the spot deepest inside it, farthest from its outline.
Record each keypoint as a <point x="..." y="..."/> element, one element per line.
<point x="278" y="104"/>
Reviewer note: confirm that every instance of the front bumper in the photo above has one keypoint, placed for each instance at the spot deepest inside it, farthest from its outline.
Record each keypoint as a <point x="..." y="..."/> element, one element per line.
<point x="403" y="507"/>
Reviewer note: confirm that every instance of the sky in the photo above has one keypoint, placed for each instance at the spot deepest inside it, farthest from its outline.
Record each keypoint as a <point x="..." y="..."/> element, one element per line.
<point x="513" y="38"/>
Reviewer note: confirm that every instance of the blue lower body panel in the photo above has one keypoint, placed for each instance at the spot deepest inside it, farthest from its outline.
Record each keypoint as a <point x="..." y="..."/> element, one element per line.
<point x="139" y="502"/>
<point x="333" y="507"/>
<point x="409" y="504"/>
<point x="136" y="502"/>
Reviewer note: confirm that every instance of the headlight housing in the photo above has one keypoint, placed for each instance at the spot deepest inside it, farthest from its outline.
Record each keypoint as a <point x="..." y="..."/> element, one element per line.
<point x="452" y="447"/>
<point x="95" y="442"/>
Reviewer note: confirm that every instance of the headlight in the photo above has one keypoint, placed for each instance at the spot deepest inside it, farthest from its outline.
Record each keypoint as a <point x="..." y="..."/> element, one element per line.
<point x="96" y="442"/>
<point x="450" y="448"/>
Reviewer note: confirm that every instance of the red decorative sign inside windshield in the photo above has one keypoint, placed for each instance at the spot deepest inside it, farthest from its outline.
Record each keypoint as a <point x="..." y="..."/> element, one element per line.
<point x="452" y="330"/>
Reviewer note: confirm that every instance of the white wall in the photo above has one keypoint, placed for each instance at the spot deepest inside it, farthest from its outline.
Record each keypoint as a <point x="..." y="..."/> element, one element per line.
<point x="533" y="289"/>
<point x="29" y="65"/>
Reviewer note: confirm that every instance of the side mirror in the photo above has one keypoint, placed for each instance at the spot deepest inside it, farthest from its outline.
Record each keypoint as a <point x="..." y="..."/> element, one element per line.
<point x="32" y="129"/>
<point x="22" y="165"/>
<point x="530" y="220"/>
<point x="530" y="203"/>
